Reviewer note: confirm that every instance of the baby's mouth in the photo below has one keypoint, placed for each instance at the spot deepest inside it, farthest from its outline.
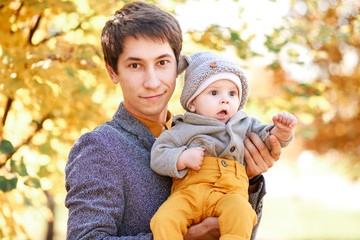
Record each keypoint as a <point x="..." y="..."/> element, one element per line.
<point x="222" y="114"/>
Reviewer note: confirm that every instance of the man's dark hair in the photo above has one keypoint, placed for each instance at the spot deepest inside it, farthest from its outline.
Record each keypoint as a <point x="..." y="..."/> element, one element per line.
<point x="139" y="19"/>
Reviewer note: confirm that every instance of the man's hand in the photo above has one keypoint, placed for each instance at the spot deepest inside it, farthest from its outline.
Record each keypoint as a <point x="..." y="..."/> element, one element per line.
<point x="207" y="229"/>
<point x="191" y="158"/>
<point x="258" y="158"/>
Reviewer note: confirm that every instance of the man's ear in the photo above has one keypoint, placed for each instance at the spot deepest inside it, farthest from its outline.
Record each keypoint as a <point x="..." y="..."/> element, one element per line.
<point x="191" y="106"/>
<point x="112" y="74"/>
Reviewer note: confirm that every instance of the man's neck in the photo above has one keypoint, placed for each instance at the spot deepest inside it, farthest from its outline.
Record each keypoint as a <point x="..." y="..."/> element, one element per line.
<point x="155" y="127"/>
<point x="159" y="118"/>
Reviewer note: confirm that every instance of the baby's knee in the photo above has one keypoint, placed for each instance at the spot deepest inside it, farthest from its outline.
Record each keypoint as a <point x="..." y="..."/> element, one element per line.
<point x="163" y="216"/>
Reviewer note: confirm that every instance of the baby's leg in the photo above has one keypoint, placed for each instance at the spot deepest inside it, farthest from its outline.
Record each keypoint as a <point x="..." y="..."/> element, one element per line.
<point x="236" y="217"/>
<point x="173" y="218"/>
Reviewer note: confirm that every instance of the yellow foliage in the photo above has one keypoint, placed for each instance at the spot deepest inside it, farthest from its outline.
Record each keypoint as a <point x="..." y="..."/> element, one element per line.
<point x="54" y="87"/>
<point x="53" y="80"/>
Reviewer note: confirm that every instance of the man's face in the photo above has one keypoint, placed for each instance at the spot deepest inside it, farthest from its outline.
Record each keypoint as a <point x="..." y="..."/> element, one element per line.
<point x="219" y="100"/>
<point x="147" y="76"/>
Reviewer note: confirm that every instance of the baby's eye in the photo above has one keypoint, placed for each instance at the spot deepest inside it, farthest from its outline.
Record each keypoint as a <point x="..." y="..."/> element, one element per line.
<point x="213" y="93"/>
<point x="232" y="93"/>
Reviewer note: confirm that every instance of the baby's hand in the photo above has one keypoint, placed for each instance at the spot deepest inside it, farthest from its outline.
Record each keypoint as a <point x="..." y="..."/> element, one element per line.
<point x="191" y="158"/>
<point x="285" y="121"/>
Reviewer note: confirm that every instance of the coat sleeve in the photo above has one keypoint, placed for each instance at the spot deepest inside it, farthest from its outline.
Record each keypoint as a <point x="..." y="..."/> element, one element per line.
<point x="256" y="201"/>
<point x="164" y="155"/>
<point x="95" y="197"/>
<point x="263" y="130"/>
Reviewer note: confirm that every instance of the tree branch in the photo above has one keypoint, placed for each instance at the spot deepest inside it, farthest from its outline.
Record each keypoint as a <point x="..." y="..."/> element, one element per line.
<point x="70" y="30"/>
<point x="18" y="10"/>
<point x="59" y="34"/>
<point x="51" y="206"/>
<point x="33" y="29"/>
<point x="28" y="140"/>
<point x="7" y="109"/>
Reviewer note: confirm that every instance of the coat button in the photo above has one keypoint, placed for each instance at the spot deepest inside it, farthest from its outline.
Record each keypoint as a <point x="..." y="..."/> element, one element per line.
<point x="232" y="149"/>
<point x="223" y="162"/>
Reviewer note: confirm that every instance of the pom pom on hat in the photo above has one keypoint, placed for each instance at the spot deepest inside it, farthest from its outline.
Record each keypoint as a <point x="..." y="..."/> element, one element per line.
<point x="204" y="68"/>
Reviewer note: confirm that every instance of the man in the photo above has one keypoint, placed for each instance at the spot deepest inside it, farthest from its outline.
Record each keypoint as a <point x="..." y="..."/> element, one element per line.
<point x="112" y="191"/>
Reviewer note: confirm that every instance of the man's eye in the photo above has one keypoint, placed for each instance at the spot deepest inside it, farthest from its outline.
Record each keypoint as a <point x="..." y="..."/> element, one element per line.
<point x="163" y="62"/>
<point x="213" y="93"/>
<point x="134" y="65"/>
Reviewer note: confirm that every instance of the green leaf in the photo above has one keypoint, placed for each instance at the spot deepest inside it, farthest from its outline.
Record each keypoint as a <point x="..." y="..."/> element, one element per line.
<point x="43" y="172"/>
<point x="28" y="202"/>
<point x="343" y="36"/>
<point x="305" y="85"/>
<point x="308" y="132"/>
<point x="6" y="146"/>
<point x="304" y="95"/>
<point x="289" y="90"/>
<point x="275" y="65"/>
<point x="33" y="182"/>
<point x="293" y="53"/>
<point x="69" y="72"/>
<point x="234" y="36"/>
<point x="7" y="184"/>
<point x="19" y="168"/>
<point x="241" y="9"/>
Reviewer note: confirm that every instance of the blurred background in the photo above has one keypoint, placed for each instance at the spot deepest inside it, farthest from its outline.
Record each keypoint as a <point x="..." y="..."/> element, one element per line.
<point x="300" y="56"/>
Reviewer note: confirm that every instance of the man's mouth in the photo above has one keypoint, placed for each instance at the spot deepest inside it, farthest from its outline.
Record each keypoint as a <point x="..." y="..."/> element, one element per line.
<point x="154" y="97"/>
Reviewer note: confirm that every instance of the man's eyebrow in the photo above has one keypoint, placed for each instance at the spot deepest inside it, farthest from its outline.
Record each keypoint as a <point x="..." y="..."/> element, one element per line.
<point x="164" y="55"/>
<point x="132" y="59"/>
<point x="139" y="59"/>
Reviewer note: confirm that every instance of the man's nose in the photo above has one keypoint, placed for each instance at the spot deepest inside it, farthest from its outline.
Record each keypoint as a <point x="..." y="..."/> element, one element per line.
<point x="151" y="79"/>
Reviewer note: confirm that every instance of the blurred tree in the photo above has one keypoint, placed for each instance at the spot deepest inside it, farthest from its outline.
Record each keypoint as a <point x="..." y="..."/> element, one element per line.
<point x="316" y="61"/>
<point x="317" y="57"/>
<point x="53" y="87"/>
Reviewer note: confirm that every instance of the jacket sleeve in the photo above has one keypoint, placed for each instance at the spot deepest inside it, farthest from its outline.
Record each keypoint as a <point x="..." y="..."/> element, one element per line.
<point x="256" y="201"/>
<point x="164" y="155"/>
<point x="95" y="197"/>
<point x="263" y="130"/>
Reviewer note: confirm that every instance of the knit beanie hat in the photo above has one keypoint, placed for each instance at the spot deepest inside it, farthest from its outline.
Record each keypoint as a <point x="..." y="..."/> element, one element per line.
<point x="204" y="68"/>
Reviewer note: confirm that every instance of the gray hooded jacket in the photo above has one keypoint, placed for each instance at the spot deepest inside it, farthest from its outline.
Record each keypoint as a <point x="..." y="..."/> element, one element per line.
<point x="224" y="140"/>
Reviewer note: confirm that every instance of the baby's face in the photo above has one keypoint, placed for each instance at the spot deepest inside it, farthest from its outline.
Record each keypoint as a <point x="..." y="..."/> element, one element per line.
<point x="219" y="100"/>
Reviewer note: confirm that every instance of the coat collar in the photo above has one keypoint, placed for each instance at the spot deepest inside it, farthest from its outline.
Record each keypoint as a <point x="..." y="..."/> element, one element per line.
<point x="133" y="126"/>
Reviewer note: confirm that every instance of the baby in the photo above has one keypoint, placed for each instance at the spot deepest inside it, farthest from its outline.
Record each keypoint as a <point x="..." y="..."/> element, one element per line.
<point x="204" y="151"/>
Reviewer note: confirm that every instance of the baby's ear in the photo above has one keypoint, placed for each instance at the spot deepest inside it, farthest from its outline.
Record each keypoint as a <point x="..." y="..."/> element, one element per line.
<point x="184" y="62"/>
<point x="191" y="106"/>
